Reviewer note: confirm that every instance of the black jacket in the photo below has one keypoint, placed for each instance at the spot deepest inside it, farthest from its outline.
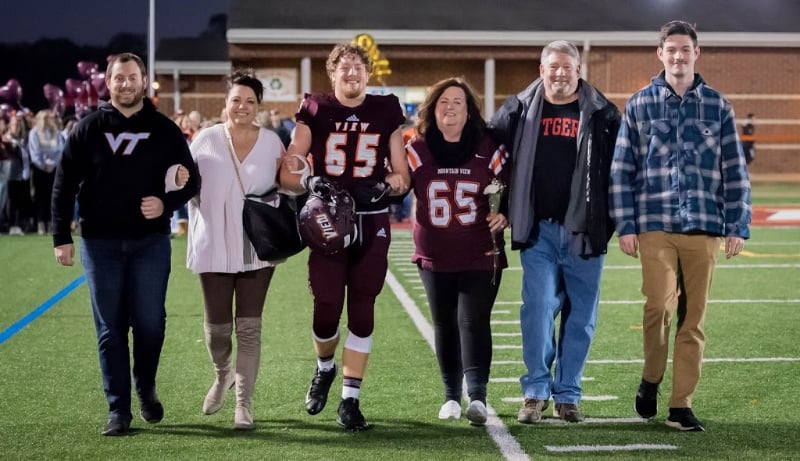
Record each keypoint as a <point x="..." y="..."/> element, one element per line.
<point x="587" y="215"/>
<point x="111" y="162"/>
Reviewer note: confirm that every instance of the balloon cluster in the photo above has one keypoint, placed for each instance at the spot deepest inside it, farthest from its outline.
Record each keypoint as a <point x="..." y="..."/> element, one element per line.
<point x="81" y="93"/>
<point x="10" y="97"/>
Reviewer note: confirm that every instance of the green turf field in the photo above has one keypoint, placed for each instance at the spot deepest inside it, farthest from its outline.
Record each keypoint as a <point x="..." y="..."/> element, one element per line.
<point x="52" y="406"/>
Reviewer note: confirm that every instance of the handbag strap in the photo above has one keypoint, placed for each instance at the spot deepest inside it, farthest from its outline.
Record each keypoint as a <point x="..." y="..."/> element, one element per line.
<point x="229" y="141"/>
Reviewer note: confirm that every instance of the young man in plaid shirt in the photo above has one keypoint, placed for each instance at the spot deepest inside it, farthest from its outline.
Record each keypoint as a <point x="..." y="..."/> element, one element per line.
<point x="679" y="185"/>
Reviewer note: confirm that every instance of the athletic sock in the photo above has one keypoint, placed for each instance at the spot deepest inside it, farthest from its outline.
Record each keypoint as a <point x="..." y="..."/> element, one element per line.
<point x="351" y="387"/>
<point x="325" y="363"/>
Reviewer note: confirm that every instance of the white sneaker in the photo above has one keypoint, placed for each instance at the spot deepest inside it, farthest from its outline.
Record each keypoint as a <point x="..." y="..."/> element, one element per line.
<point x="450" y="409"/>
<point x="15" y="230"/>
<point x="476" y="413"/>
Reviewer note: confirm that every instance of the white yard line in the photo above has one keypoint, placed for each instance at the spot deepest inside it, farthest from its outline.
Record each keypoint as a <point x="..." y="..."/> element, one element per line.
<point x="634" y="361"/>
<point x="710" y="301"/>
<point x="516" y="380"/>
<point x="719" y="266"/>
<point x="590" y="448"/>
<point x="509" y="446"/>
<point x="588" y="398"/>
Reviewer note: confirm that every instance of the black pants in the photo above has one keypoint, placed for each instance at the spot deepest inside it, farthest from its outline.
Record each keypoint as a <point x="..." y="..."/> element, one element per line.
<point x="461" y="307"/>
<point x="43" y="189"/>
<point x="19" y="207"/>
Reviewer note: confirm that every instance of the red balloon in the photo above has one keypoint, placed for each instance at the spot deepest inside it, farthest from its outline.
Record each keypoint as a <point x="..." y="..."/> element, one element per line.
<point x="11" y="94"/>
<point x="50" y="89"/>
<point x="72" y="86"/>
<point x="55" y="97"/>
<point x="13" y="84"/>
<point x="86" y="68"/>
<point x="98" y="82"/>
<point x="6" y="95"/>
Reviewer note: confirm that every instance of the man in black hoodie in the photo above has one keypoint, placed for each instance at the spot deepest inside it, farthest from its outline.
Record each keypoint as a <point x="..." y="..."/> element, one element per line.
<point x="116" y="161"/>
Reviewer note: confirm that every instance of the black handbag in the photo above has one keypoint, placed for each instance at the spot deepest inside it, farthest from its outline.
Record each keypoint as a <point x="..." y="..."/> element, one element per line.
<point x="273" y="230"/>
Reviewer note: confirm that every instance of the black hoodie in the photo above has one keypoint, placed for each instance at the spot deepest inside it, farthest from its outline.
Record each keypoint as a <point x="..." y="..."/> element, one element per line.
<point x="112" y="162"/>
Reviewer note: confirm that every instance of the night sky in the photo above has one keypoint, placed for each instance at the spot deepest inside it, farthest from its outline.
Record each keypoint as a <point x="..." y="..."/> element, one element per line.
<point x="93" y="22"/>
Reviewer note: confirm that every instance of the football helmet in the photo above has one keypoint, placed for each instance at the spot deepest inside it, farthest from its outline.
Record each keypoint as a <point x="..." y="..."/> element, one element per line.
<point x="328" y="218"/>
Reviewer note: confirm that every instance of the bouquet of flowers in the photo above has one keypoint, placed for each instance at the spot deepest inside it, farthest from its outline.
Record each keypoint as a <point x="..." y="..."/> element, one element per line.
<point x="494" y="192"/>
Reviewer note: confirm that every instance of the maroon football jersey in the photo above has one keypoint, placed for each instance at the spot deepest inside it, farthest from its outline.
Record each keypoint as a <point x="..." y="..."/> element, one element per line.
<point x="351" y="144"/>
<point x="451" y="232"/>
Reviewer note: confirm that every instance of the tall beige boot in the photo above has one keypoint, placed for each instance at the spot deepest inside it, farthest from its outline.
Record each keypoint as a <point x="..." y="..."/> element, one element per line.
<point x="248" y="357"/>
<point x="218" y="342"/>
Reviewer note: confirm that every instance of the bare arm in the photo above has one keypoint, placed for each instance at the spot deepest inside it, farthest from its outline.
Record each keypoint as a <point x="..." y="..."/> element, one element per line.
<point x="294" y="167"/>
<point x="399" y="179"/>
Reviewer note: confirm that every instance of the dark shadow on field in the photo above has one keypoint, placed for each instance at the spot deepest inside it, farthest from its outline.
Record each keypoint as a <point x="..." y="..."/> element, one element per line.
<point x="384" y="434"/>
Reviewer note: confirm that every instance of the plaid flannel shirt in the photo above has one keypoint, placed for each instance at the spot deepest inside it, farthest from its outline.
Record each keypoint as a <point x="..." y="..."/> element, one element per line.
<point x="678" y="164"/>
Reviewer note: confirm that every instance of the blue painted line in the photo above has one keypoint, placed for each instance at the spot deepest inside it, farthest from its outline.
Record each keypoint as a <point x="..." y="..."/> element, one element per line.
<point x="24" y="321"/>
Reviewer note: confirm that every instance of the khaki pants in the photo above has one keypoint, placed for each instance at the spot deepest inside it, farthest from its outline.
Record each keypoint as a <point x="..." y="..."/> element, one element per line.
<point x="664" y="257"/>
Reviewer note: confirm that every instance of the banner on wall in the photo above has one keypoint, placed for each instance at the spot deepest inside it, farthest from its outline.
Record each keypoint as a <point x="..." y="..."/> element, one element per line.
<point x="279" y="84"/>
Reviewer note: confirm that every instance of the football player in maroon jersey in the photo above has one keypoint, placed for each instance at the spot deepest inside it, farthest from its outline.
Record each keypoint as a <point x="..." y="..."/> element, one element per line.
<point x="353" y="139"/>
<point x="453" y="160"/>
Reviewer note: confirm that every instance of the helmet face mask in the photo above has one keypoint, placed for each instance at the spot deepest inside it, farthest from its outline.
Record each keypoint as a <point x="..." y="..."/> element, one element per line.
<point x="328" y="220"/>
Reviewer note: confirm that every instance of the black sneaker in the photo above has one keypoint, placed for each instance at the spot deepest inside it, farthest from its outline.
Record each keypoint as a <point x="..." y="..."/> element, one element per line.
<point x="151" y="410"/>
<point x="350" y="416"/>
<point x="683" y="419"/>
<point x="647" y="400"/>
<point x="116" y="426"/>
<point x="317" y="395"/>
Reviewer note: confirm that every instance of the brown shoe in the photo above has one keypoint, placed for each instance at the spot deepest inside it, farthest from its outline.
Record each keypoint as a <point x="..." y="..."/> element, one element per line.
<point x="531" y="411"/>
<point x="569" y="412"/>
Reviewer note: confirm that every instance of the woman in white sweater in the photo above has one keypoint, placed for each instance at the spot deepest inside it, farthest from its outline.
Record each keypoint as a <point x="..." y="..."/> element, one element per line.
<point x="218" y="249"/>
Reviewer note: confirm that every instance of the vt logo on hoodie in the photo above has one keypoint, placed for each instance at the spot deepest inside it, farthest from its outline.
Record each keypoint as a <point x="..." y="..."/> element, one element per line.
<point x="115" y="142"/>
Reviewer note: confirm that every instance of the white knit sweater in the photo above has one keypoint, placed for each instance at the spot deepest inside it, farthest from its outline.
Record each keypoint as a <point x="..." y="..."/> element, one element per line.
<point x="217" y="242"/>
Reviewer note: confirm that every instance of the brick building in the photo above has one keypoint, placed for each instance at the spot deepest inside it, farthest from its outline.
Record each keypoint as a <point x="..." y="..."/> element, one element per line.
<point x="497" y="49"/>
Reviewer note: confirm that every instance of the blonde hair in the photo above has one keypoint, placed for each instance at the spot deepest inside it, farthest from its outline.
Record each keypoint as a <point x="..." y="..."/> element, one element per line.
<point x="47" y="122"/>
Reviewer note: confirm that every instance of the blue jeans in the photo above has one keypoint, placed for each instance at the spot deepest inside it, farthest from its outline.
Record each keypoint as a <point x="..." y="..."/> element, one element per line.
<point x="128" y="286"/>
<point x="557" y="281"/>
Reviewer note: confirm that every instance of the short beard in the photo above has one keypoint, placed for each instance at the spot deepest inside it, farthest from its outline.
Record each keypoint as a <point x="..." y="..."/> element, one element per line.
<point x="137" y="99"/>
<point x="353" y="94"/>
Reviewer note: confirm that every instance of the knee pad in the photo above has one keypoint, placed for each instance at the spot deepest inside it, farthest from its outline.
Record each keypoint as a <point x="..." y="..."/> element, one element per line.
<point x="358" y="344"/>
<point x="324" y="340"/>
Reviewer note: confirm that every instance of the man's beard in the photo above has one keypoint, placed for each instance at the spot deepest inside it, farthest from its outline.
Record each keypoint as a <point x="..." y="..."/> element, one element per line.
<point x="351" y="92"/>
<point x="136" y="99"/>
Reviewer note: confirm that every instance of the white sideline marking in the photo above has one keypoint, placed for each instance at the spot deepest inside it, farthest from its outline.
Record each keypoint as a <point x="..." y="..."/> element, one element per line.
<point x="588" y="398"/>
<point x="710" y="301"/>
<point x="718" y="266"/>
<point x="509" y="447"/>
<point x="516" y="380"/>
<point x="501" y="312"/>
<point x="588" y="448"/>
<point x="705" y="360"/>
<point x="506" y="334"/>
<point x="785" y="215"/>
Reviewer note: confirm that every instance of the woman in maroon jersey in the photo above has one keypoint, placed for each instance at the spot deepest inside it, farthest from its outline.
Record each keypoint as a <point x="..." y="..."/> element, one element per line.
<point x="459" y="247"/>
